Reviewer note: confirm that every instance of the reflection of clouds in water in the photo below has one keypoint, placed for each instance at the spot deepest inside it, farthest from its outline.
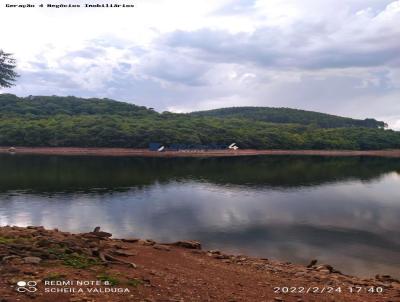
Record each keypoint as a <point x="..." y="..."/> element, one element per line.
<point x="343" y="223"/>
<point x="348" y="205"/>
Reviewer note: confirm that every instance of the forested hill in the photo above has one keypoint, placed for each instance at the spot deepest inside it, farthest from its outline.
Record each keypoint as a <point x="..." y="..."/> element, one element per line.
<point x="41" y="106"/>
<point x="290" y="116"/>
<point x="12" y="105"/>
<point x="70" y="121"/>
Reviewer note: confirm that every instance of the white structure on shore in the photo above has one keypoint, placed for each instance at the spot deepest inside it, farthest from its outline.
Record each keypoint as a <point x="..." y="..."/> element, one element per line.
<point x="233" y="146"/>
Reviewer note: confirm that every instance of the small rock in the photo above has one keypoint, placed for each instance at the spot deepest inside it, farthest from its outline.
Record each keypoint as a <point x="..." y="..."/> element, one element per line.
<point x="44" y="243"/>
<point x="130" y="240"/>
<point x="96" y="229"/>
<point x="101" y="234"/>
<point x="312" y="263"/>
<point x="120" y="247"/>
<point x="222" y="256"/>
<point x="8" y="258"/>
<point x="124" y="253"/>
<point x="35" y="227"/>
<point x="324" y="267"/>
<point x="147" y="242"/>
<point x="32" y="260"/>
<point x="188" y="244"/>
<point x="161" y="247"/>
<point x="385" y="278"/>
<point x="299" y="274"/>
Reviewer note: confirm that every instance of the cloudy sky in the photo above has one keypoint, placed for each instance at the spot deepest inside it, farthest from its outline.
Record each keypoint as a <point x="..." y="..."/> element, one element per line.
<point x="335" y="56"/>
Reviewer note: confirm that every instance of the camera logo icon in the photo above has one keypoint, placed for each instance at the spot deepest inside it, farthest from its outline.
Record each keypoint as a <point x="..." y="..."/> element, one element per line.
<point x="26" y="286"/>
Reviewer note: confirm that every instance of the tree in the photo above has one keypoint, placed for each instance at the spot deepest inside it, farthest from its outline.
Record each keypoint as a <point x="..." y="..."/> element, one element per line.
<point x="7" y="73"/>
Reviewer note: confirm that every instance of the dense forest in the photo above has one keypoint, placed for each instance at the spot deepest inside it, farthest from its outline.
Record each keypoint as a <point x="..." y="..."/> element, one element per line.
<point x="288" y="115"/>
<point x="71" y="121"/>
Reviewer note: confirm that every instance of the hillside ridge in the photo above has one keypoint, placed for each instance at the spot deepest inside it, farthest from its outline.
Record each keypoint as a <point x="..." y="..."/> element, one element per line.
<point x="52" y="105"/>
<point x="51" y="121"/>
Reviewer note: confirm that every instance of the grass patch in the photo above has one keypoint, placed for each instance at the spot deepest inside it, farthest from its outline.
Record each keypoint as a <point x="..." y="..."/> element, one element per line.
<point x="56" y="251"/>
<point x="78" y="261"/>
<point x="55" y="277"/>
<point x="134" y="282"/>
<point x="74" y="260"/>
<point x="108" y="278"/>
<point x="4" y="240"/>
<point x="21" y="240"/>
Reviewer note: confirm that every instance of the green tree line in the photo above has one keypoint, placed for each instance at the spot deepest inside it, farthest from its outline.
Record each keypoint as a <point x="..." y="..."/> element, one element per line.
<point x="70" y="121"/>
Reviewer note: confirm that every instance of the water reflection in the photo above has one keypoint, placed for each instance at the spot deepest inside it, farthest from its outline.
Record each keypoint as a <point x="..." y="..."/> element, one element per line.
<point x="61" y="174"/>
<point x="343" y="211"/>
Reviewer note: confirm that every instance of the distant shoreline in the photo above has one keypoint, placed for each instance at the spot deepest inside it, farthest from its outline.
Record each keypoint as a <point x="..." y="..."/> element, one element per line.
<point x="130" y="152"/>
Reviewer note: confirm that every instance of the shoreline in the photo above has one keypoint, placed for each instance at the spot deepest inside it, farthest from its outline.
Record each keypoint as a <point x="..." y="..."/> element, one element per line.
<point x="133" y="269"/>
<point x="131" y="152"/>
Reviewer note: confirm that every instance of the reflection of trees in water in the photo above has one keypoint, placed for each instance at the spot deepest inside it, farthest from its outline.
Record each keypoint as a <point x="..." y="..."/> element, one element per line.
<point x="55" y="173"/>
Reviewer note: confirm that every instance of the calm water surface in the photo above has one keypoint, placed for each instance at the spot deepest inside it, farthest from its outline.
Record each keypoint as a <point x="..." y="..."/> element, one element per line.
<point x="342" y="211"/>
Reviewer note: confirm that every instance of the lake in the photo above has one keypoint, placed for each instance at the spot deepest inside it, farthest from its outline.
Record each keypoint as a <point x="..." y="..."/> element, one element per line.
<point x="341" y="211"/>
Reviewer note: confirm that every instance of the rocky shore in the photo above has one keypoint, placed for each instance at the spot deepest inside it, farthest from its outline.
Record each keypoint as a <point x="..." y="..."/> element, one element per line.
<point x="50" y="265"/>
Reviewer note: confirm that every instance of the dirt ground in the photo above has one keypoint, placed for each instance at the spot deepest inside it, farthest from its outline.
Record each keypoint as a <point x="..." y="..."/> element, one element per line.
<point x="53" y="264"/>
<point x="187" y="153"/>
